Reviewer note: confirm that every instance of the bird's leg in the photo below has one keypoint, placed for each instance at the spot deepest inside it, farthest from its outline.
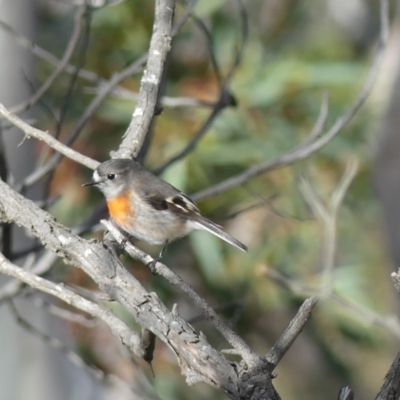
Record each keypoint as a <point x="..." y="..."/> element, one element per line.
<point x="124" y="242"/>
<point x="161" y="255"/>
<point x="152" y="264"/>
<point x="127" y="238"/>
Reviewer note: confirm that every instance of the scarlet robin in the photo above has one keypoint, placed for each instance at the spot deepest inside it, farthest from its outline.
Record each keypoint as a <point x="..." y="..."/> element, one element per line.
<point x="148" y="208"/>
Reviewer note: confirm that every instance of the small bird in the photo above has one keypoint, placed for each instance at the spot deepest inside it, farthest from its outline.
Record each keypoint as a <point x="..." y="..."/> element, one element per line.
<point x="148" y="208"/>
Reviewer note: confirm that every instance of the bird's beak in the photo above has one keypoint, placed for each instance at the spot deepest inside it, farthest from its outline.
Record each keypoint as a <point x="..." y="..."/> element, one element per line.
<point x="90" y="183"/>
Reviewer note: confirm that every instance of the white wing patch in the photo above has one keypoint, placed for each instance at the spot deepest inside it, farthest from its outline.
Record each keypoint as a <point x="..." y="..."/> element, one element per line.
<point x="183" y="203"/>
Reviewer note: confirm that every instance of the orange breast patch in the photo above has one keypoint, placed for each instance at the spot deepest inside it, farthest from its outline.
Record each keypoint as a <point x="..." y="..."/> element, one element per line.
<point x="120" y="209"/>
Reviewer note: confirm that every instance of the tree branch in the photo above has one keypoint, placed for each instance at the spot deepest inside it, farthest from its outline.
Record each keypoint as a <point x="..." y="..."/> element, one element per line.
<point x="390" y="389"/>
<point x="73" y="41"/>
<point x="48" y="139"/>
<point x="198" y="360"/>
<point x="145" y="110"/>
<point x="345" y="394"/>
<point x="131" y="339"/>
<point x="291" y="332"/>
<point x="232" y="338"/>
<point x="328" y="215"/>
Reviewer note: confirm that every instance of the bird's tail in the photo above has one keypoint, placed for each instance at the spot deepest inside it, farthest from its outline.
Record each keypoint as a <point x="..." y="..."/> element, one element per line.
<point x="212" y="227"/>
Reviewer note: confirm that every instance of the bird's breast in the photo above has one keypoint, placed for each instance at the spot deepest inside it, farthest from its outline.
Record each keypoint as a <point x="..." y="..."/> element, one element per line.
<point x="120" y="209"/>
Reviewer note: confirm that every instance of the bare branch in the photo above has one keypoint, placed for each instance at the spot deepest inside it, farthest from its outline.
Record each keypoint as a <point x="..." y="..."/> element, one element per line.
<point x="13" y="287"/>
<point x="232" y="338"/>
<point x="389" y="322"/>
<point x="311" y="198"/>
<point x="145" y="110"/>
<point x="345" y="394"/>
<point x="343" y="186"/>
<point x="105" y="89"/>
<point x="323" y="115"/>
<point x="128" y="337"/>
<point x="210" y="45"/>
<point x="244" y="32"/>
<point x="167" y="101"/>
<point x="45" y="55"/>
<point x="328" y="215"/>
<point x="396" y="280"/>
<point x="139" y="388"/>
<point x="291" y="332"/>
<point x="224" y="100"/>
<point x="100" y="262"/>
<point x="48" y="139"/>
<point x="391" y="385"/>
<point x="119" y="91"/>
<point x="80" y="15"/>
<point x="63" y="313"/>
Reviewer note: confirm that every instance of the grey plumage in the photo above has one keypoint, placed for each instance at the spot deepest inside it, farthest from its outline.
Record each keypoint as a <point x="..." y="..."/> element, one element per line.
<point x="160" y="212"/>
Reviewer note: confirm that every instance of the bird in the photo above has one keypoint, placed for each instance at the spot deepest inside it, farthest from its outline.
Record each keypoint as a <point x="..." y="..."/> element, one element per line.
<point x="148" y="208"/>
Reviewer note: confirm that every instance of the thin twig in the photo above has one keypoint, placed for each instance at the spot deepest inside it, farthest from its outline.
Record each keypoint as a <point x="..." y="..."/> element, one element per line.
<point x="244" y="33"/>
<point x="328" y="215"/>
<point x="63" y="313"/>
<point x="345" y="394"/>
<point x="389" y="322"/>
<point x="343" y="186"/>
<point x="291" y="332"/>
<point x="222" y="103"/>
<point x="81" y="59"/>
<point x="323" y="115"/>
<point x="73" y="41"/>
<point x="225" y="99"/>
<point x="46" y="55"/>
<point x="210" y="45"/>
<point x="49" y="140"/>
<point x="167" y="101"/>
<point x="13" y="287"/>
<point x="106" y="88"/>
<point x="90" y="109"/>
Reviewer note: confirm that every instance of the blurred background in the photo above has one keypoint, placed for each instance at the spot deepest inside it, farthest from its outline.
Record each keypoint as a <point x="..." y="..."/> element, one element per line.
<point x="295" y="52"/>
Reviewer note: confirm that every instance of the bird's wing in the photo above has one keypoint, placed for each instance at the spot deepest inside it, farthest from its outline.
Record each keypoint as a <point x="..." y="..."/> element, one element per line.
<point x="177" y="203"/>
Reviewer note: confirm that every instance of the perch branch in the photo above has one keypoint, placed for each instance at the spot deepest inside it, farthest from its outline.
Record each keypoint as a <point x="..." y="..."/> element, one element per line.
<point x="232" y="338"/>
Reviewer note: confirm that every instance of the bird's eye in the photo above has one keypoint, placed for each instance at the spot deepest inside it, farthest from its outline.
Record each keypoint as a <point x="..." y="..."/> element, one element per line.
<point x="111" y="177"/>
